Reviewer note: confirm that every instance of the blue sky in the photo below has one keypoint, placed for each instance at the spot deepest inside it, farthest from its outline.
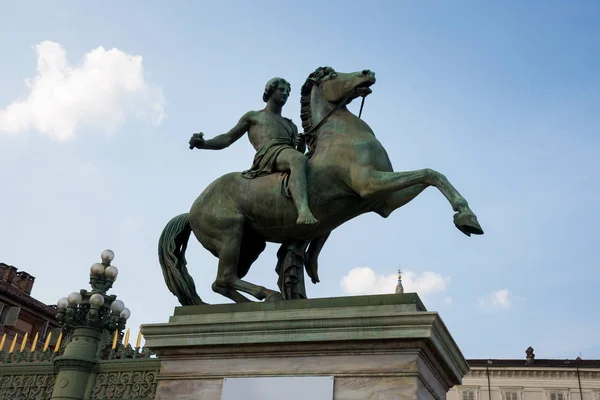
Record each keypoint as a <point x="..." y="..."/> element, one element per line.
<point x="502" y="98"/>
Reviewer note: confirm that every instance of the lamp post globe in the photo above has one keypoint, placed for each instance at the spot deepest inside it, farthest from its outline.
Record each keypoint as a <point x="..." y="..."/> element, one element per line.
<point x="111" y="272"/>
<point x="62" y="303"/>
<point x="107" y="256"/>
<point x="97" y="269"/>
<point x="74" y="299"/>
<point x="117" y="306"/>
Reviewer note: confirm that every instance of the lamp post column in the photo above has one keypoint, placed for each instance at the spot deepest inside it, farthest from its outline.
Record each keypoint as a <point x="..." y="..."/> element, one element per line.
<point x="76" y="365"/>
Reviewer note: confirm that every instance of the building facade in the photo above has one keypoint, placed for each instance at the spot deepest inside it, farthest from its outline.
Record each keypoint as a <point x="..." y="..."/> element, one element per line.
<point x="529" y="379"/>
<point x="20" y="313"/>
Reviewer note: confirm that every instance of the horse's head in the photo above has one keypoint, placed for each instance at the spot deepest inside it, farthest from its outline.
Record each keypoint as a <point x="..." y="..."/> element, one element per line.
<point x="325" y="89"/>
<point x="340" y="85"/>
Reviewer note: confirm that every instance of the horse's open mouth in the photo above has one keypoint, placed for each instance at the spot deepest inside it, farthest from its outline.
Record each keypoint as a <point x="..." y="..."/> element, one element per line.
<point x="364" y="89"/>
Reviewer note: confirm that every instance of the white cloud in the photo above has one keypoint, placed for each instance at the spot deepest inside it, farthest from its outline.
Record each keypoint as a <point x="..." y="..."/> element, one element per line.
<point x="101" y="92"/>
<point x="363" y="280"/>
<point x="448" y="300"/>
<point x="499" y="298"/>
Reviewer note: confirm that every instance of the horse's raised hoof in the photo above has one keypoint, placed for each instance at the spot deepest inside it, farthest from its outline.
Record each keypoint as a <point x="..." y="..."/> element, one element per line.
<point x="274" y="296"/>
<point x="466" y="222"/>
<point x="312" y="268"/>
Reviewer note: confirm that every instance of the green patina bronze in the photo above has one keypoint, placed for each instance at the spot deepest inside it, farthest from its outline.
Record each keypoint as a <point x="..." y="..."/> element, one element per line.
<point x="348" y="173"/>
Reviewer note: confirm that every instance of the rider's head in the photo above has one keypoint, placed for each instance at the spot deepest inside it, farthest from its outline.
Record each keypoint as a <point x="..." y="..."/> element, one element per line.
<point x="273" y="85"/>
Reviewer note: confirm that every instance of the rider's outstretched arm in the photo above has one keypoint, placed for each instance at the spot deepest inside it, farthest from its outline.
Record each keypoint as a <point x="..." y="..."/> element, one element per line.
<point x="226" y="139"/>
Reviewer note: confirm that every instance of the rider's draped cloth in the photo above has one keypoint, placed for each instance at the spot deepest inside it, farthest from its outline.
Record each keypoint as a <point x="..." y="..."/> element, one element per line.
<point x="264" y="161"/>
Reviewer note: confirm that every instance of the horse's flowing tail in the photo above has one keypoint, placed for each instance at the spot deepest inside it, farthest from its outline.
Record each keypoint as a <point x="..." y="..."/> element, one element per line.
<point x="171" y="255"/>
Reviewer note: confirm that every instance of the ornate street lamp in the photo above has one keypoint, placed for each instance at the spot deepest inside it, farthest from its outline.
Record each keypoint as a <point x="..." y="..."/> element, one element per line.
<point x="87" y="315"/>
<point x="95" y="309"/>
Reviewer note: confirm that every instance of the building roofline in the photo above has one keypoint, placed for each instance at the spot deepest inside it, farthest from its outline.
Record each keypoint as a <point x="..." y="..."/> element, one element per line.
<point x="536" y="363"/>
<point x="21" y="297"/>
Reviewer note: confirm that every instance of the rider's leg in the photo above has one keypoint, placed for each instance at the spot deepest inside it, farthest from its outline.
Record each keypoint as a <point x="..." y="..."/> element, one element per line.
<point x="296" y="163"/>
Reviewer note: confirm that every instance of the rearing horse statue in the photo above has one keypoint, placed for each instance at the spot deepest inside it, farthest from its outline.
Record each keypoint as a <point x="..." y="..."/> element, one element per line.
<point x="349" y="173"/>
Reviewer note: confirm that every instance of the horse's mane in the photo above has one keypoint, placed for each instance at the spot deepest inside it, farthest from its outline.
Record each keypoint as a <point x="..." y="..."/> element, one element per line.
<point x="305" y="111"/>
<point x="313" y="79"/>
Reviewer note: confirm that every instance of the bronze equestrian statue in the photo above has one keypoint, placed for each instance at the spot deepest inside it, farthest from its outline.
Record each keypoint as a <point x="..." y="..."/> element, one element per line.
<point x="348" y="174"/>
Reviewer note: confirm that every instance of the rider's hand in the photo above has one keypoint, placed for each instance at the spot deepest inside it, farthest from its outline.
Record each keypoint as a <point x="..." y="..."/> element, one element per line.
<point x="197" y="141"/>
<point x="299" y="141"/>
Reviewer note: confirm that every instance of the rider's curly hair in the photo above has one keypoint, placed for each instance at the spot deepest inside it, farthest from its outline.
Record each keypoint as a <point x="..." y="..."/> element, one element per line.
<point x="272" y="85"/>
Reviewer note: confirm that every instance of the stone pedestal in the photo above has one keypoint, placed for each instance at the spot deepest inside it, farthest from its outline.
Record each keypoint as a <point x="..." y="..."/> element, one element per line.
<point x="376" y="347"/>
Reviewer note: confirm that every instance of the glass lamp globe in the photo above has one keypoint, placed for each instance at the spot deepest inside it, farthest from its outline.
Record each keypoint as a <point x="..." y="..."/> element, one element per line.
<point x="97" y="300"/>
<point x="111" y="272"/>
<point x="62" y="303"/>
<point x="107" y="256"/>
<point x="117" y="306"/>
<point x="74" y="298"/>
<point x="125" y="314"/>
<point x="97" y="269"/>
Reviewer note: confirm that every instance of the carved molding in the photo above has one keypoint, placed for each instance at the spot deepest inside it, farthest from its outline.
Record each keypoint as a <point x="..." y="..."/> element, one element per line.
<point x="126" y="385"/>
<point x="26" y="386"/>
<point x="129" y="365"/>
<point x="72" y="363"/>
<point x="46" y="368"/>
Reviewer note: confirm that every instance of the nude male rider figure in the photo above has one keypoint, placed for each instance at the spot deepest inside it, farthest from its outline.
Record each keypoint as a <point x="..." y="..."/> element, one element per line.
<point x="275" y="139"/>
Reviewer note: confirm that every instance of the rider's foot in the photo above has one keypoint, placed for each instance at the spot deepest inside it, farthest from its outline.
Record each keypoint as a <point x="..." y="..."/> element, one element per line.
<point x="307" y="219"/>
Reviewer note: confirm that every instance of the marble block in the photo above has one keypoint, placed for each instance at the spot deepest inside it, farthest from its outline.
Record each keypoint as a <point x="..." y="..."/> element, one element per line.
<point x="376" y="347"/>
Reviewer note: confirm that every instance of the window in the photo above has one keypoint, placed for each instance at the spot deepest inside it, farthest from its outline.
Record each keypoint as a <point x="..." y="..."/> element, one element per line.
<point x="467" y="395"/>
<point x="55" y="334"/>
<point x="11" y="316"/>
<point x="43" y="330"/>
<point x="511" y="395"/>
<point x="557" y="396"/>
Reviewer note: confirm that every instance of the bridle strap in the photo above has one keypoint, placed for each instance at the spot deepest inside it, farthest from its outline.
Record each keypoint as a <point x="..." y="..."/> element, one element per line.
<point x="330" y="113"/>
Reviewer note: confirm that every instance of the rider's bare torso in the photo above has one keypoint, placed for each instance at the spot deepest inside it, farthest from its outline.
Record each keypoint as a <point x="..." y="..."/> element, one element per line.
<point x="266" y="126"/>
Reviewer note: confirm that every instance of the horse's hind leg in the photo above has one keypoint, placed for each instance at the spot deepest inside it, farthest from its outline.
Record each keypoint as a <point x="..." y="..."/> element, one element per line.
<point x="228" y="249"/>
<point x="227" y="282"/>
<point x="260" y="292"/>
<point x="226" y="275"/>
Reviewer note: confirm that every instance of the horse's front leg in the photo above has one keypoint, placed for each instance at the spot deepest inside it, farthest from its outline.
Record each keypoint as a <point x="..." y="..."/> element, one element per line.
<point x="393" y="201"/>
<point x="370" y="183"/>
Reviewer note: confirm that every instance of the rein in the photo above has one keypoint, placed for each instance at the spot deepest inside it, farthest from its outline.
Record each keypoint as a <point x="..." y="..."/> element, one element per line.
<point x="330" y="113"/>
<point x="362" y="103"/>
